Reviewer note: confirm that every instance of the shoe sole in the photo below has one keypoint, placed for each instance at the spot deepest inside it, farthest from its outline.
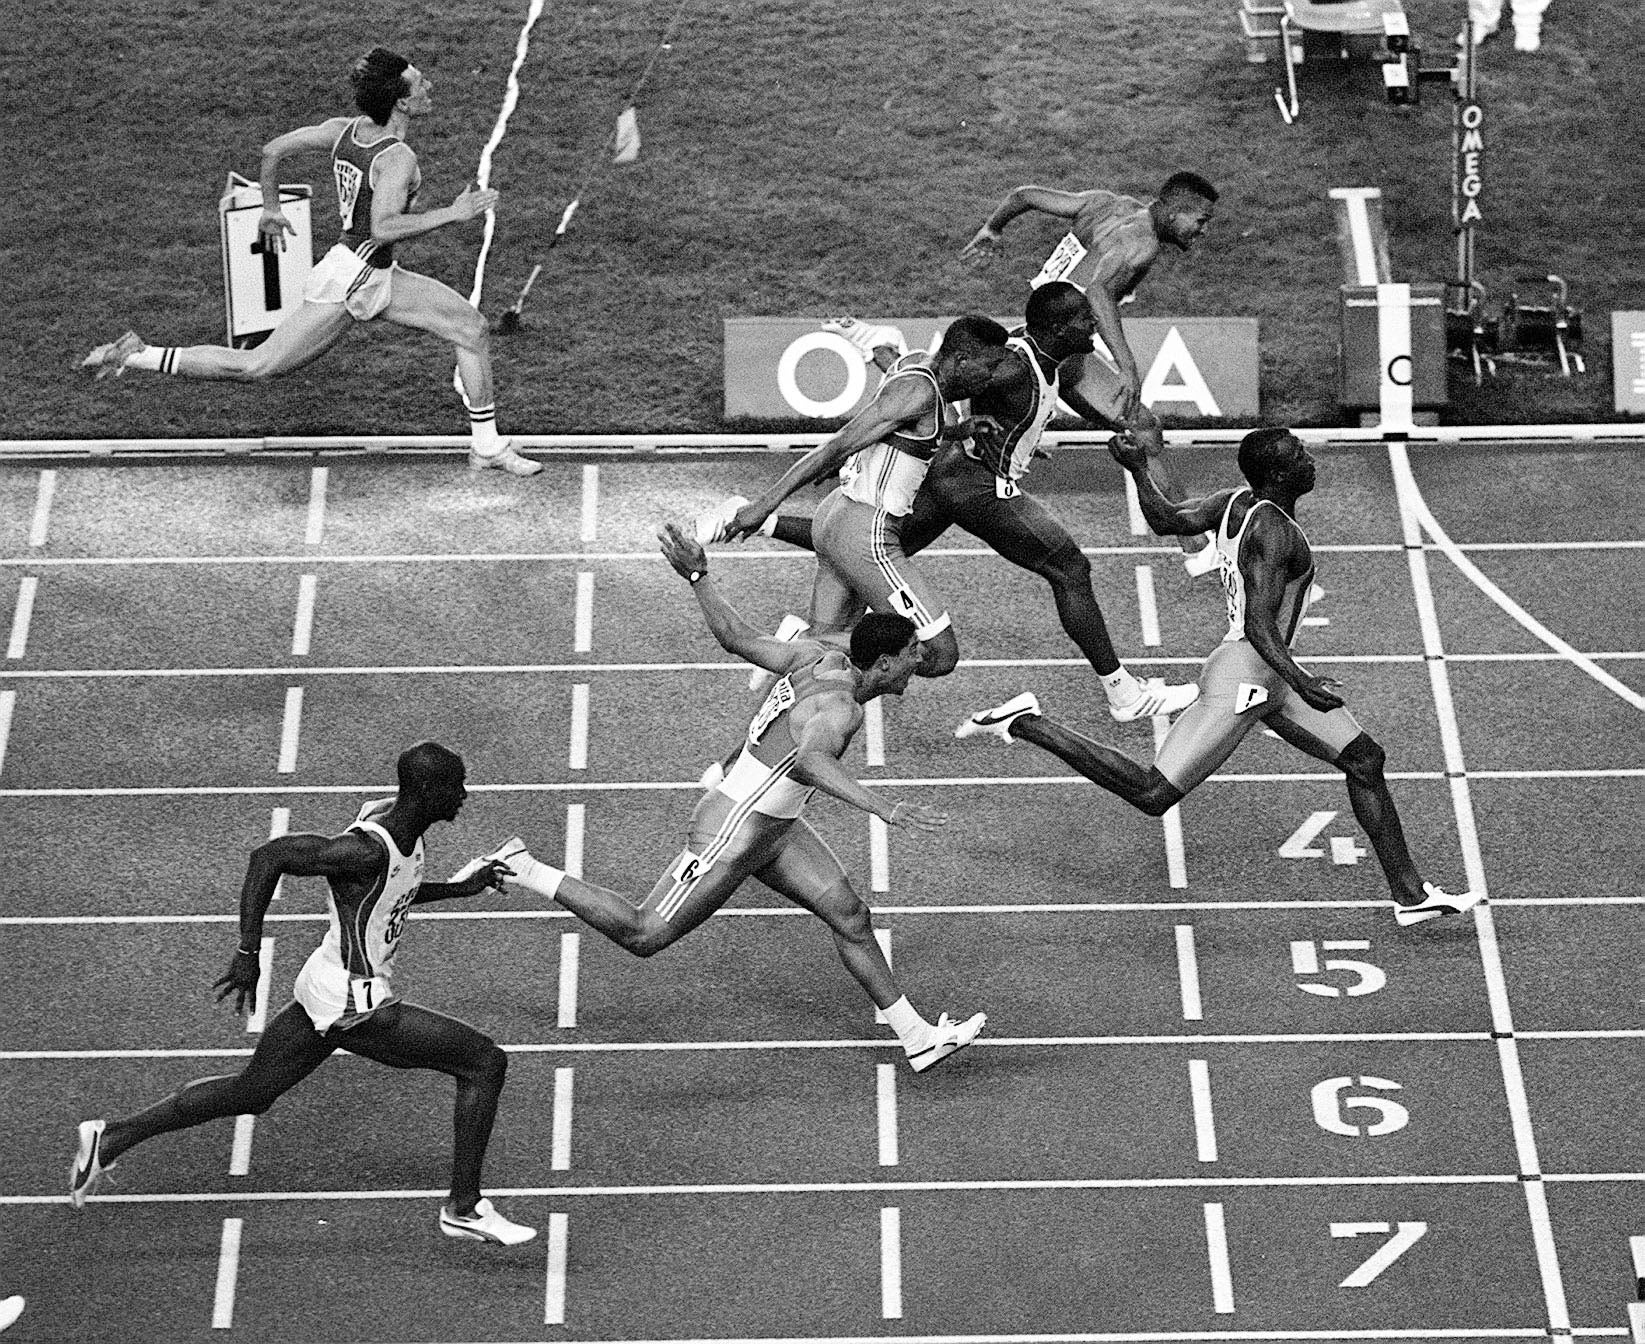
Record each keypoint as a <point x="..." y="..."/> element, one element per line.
<point x="938" y="1054"/>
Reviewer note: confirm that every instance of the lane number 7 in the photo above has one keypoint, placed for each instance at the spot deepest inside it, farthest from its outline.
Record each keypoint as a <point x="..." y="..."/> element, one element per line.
<point x="1405" y="1236"/>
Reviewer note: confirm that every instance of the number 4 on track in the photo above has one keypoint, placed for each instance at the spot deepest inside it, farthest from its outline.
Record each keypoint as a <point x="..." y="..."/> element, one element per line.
<point x="1406" y="1235"/>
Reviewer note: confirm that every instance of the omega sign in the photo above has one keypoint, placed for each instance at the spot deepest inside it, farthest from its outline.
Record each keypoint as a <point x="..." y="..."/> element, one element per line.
<point x="783" y="368"/>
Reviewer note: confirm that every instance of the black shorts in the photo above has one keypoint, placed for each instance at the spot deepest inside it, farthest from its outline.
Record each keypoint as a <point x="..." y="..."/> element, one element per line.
<point x="960" y="490"/>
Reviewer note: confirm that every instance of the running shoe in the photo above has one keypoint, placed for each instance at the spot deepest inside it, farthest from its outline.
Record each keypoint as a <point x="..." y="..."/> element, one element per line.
<point x="485" y="1224"/>
<point x="711" y="526"/>
<point x="504" y="459"/>
<point x="997" y="722"/>
<point x="1156" y="698"/>
<point x="1435" y="904"/>
<point x="511" y="848"/>
<point x="948" y="1037"/>
<point x="10" y="1310"/>
<point x="88" y="1170"/>
<point x="865" y="337"/>
<point x="790" y="628"/>
<point x="110" y="360"/>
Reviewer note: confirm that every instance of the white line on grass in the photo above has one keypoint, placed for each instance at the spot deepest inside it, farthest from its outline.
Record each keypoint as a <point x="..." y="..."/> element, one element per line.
<point x="576" y="825"/>
<point x="258" y="1017"/>
<point x="303" y="627"/>
<point x="570" y="949"/>
<point x="554" y="1286"/>
<point x="560" y="1134"/>
<point x="583" y="635"/>
<point x="577" y="751"/>
<point x="591" y="502"/>
<point x="879" y="855"/>
<point x="891" y="1263"/>
<point x="886" y="1092"/>
<point x="239" y="1158"/>
<point x="1205" y="1129"/>
<point x="8" y="702"/>
<point x="1188" y="974"/>
<point x="41" y="522"/>
<point x="316" y="506"/>
<point x="290" y="726"/>
<point x="18" y="644"/>
<point x="1216" y="1249"/>
<point x="228" y="1271"/>
<point x="1147" y="609"/>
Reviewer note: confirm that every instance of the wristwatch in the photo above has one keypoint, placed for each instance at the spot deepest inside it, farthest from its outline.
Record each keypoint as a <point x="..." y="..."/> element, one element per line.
<point x="696" y="576"/>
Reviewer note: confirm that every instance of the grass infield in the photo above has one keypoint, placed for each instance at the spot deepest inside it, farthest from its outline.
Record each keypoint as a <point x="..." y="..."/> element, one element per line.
<point x="799" y="158"/>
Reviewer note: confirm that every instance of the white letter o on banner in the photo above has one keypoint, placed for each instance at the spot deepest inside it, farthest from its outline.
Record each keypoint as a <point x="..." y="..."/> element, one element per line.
<point x="856" y="375"/>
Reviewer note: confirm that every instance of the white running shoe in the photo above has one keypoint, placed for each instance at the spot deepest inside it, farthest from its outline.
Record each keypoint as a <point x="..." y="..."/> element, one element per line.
<point x="1156" y="698"/>
<point x="711" y="526"/>
<point x="948" y="1037"/>
<point x="504" y="459"/>
<point x="864" y="337"/>
<point x="790" y="628"/>
<point x="1437" y="903"/>
<point x="1528" y="35"/>
<point x="110" y="360"/>
<point x="10" y="1310"/>
<point x="485" y="1224"/>
<point x="1203" y="561"/>
<point x="997" y="722"/>
<point x="712" y="777"/>
<point x="513" y="847"/>
<point x="88" y="1170"/>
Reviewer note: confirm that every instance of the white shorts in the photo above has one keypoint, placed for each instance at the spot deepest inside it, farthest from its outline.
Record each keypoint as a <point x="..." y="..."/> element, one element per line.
<point x="332" y="999"/>
<point x="750" y="778"/>
<point x="341" y="277"/>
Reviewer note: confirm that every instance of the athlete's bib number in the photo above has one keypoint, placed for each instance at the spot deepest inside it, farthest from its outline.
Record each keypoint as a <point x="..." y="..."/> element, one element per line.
<point x="780" y="698"/>
<point x="367" y="992"/>
<point x="1068" y="254"/>
<point x="1005" y="488"/>
<point x="348" y="189"/>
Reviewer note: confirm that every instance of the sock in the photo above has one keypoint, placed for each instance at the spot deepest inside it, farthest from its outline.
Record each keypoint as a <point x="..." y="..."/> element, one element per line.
<point x="1121" y="687"/>
<point x="542" y="878"/>
<point x="912" y="1029"/>
<point x="482" y="423"/>
<point x="155" y="358"/>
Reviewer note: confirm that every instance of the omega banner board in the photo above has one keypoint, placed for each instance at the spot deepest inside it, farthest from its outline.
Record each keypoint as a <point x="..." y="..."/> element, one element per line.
<point x="783" y="368"/>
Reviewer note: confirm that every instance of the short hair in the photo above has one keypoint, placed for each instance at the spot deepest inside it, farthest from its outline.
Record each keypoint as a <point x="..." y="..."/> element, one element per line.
<point x="1187" y="184"/>
<point x="1051" y="302"/>
<point x="1257" y="451"/>
<point x="379" y="80"/>
<point x="426" y="766"/>
<point x="975" y="329"/>
<point x="878" y="634"/>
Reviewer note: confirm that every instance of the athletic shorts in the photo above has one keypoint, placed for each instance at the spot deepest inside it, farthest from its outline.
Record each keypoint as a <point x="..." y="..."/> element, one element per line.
<point x="860" y="562"/>
<point x="331" y="998"/>
<point x="341" y="277"/>
<point x="727" y="843"/>
<point x="960" y="490"/>
<point x="1238" y="691"/>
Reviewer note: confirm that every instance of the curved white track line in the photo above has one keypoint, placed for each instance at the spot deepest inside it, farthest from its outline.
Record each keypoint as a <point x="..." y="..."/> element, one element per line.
<point x="1405" y="483"/>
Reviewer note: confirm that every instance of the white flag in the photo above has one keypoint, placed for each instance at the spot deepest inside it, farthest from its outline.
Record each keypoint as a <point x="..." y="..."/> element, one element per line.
<point x="628" y="136"/>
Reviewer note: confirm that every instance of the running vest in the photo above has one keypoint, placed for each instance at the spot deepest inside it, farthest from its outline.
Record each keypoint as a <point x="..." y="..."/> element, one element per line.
<point x="351" y="166"/>
<point x="887" y="474"/>
<point x="762" y="778"/>
<point x="1012" y="458"/>
<point x="362" y="940"/>
<point x="1293" y="602"/>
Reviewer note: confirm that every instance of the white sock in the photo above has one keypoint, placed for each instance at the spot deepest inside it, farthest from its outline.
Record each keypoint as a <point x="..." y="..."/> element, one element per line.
<point x="154" y="358"/>
<point x="1121" y="687"/>
<point x="912" y="1029"/>
<point x="482" y="424"/>
<point x="542" y="878"/>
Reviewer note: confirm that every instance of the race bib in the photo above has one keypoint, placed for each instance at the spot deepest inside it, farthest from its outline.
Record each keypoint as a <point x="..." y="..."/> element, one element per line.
<point x="780" y="698"/>
<point x="367" y="992"/>
<point x="1249" y="697"/>
<point x="688" y="868"/>
<point x="902" y="602"/>
<point x="348" y="189"/>
<point x="1005" y="488"/>
<point x="1067" y="255"/>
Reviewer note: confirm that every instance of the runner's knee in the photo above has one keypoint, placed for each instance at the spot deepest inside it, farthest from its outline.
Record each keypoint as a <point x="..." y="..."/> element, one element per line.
<point x="847" y="913"/>
<point x="1066" y="568"/>
<point x="939" y="656"/>
<point x="650" y="935"/>
<point x="491" y="1066"/>
<point x="1362" y="760"/>
<point x="1159" y="795"/>
<point x="471" y="332"/>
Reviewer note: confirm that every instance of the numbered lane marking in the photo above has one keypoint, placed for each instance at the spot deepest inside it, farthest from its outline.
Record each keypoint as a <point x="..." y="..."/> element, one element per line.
<point x="1305" y="961"/>
<point x="1406" y="1235"/>
<point x="1301" y="844"/>
<point x="1331" y="1107"/>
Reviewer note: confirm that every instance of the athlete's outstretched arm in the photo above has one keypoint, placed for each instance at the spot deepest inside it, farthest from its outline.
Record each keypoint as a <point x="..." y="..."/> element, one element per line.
<point x="725" y="623"/>
<point x="272" y="225"/>
<point x="899" y="403"/>
<point x="1019" y="201"/>
<point x="1266" y="564"/>
<point x="822" y="730"/>
<point x="391" y="218"/>
<point x="493" y="874"/>
<point x="1181" y="518"/>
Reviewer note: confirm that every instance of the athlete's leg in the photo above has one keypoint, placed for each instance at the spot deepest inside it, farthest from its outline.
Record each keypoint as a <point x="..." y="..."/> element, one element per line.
<point x="404" y="1036"/>
<point x="1143" y="786"/>
<point x="302" y="336"/>
<point x="424" y="303"/>
<point x="288" y="1051"/>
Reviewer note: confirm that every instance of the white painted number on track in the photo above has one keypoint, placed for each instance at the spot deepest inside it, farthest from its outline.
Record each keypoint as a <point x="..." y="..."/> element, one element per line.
<point x="1305" y="961"/>
<point x="1344" y="849"/>
<point x="1405" y="1236"/>
<point x="1331" y="1108"/>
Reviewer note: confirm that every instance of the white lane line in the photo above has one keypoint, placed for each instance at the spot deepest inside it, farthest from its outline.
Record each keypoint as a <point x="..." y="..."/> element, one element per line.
<point x="303" y="627"/>
<point x="316" y="506"/>
<point x="1216" y="1248"/>
<point x="1414" y="517"/>
<point x="873" y="733"/>
<point x="290" y="726"/>
<point x="891" y="1264"/>
<point x="560" y="1133"/>
<point x="279" y="823"/>
<point x="554" y="1287"/>
<point x="42" y="507"/>
<point x="1188" y="974"/>
<point x="8" y="701"/>
<point x="591" y="502"/>
<point x="570" y="949"/>
<point x="1133" y="508"/>
<point x="576" y="824"/>
<point x="583" y="635"/>
<point x="257" y="1019"/>
<point x="239" y="1160"/>
<point x="879" y="855"/>
<point x="1205" y="1129"/>
<point x="883" y="938"/>
<point x="228" y="1272"/>
<point x="887" y="1096"/>
<point x="1147" y="609"/>
<point x="1359" y="229"/>
<point x="577" y="753"/>
<point x="1176" y="854"/>
<point x="21" y="615"/>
